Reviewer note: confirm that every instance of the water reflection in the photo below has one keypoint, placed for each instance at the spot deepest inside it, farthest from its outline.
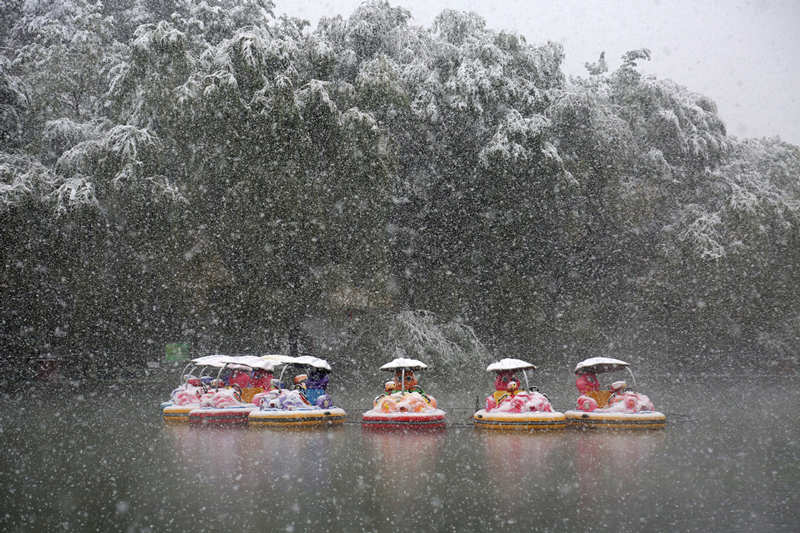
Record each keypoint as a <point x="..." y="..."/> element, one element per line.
<point x="722" y="468"/>
<point x="518" y="467"/>
<point x="404" y="461"/>
<point x="213" y="450"/>
<point x="611" y="467"/>
<point x="603" y="452"/>
<point x="279" y="456"/>
<point x="299" y="456"/>
<point x="507" y="454"/>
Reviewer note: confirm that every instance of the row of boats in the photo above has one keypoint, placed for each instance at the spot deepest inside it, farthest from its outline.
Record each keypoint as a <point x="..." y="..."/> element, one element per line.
<point x="284" y="391"/>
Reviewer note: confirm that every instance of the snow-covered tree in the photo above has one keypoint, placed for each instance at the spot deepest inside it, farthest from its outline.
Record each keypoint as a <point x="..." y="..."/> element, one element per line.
<point x="206" y="169"/>
<point x="61" y="52"/>
<point x="14" y="105"/>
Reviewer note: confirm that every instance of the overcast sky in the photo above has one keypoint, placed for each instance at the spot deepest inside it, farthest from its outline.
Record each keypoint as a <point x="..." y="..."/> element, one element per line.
<point x="745" y="55"/>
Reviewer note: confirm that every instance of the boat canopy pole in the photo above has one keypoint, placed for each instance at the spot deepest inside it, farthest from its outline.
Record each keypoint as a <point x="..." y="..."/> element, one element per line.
<point x="220" y="374"/>
<point x="184" y="374"/>
<point x="527" y="385"/>
<point x="403" y="379"/>
<point x="631" y="373"/>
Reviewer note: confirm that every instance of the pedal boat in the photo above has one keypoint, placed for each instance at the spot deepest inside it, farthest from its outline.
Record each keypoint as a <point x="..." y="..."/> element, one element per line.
<point x="230" y="405"/>
<point x="203" y="398"/>
<point x="404" y="405"/>
<point x="195" y="381"/>
<point x="307" y="406"/>
<point x="509" y="408"/>
<point x="613" y="408"/>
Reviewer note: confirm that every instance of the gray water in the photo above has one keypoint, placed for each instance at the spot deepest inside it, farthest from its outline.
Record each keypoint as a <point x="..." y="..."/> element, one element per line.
<point x="102" y="460"/>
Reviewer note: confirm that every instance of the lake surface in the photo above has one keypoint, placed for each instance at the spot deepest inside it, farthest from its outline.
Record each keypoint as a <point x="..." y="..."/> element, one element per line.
<point x="102" y="460"/>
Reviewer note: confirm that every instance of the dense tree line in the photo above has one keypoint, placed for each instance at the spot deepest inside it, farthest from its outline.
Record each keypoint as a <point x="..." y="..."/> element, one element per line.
<point x="218" y="174"/>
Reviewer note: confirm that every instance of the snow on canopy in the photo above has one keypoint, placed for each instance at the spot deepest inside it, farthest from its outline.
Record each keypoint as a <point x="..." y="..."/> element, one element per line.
<point x="278" y="358"/>
<point x="210" y="360"/>
<point x="240" y="361"/>
<point x="509" y="364"/>
<point x="600" y="364"/>
<point x="309" y="360"/>
<point x="402" y="362"/>
<point x="255" y="362"/>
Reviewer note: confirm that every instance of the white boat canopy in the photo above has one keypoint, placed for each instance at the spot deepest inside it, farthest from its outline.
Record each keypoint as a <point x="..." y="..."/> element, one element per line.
<point x="600" y="364"/>
<point x="253" y="361"/>
<point x="210" y="360"/>
<point x="510" y="364"/>
<point x="249" y="360"/>
<point x="242" y="361"/>
<point x="213" y="361"/>
<point x="264" y="365"/>
<point x="402" y="362"/>
<point x="309" y="360"/>
<point x="278" y="358"/>
<point x="236" y="361"/>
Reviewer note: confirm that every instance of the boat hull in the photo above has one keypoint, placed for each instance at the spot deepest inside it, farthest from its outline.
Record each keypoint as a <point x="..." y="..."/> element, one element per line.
<point x="225" y="416"/>
<point x="177" y="414"/>
<point x="434" y="419"/>
<point x="296" y="418"/>
<point x="530" y="421"/>
<point x="602" y="419"/>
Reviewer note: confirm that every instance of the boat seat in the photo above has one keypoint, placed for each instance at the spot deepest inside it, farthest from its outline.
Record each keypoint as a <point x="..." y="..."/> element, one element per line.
<point x="312" y="395"/>
<point x="600" y="396"/>
<point x="500" y="395"/>
<point x="249" y="392"/>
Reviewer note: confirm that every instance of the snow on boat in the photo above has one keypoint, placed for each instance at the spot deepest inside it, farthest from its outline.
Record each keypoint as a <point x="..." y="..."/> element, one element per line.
<point x="404" y="405"/>
<point x="221" y="400"/>
<point x="612" y="408"/>
<point x="511" y="408"/>
<point x="195" y="383"/>
<point x="307" y="404"/>
<point x="231" y="405"/>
